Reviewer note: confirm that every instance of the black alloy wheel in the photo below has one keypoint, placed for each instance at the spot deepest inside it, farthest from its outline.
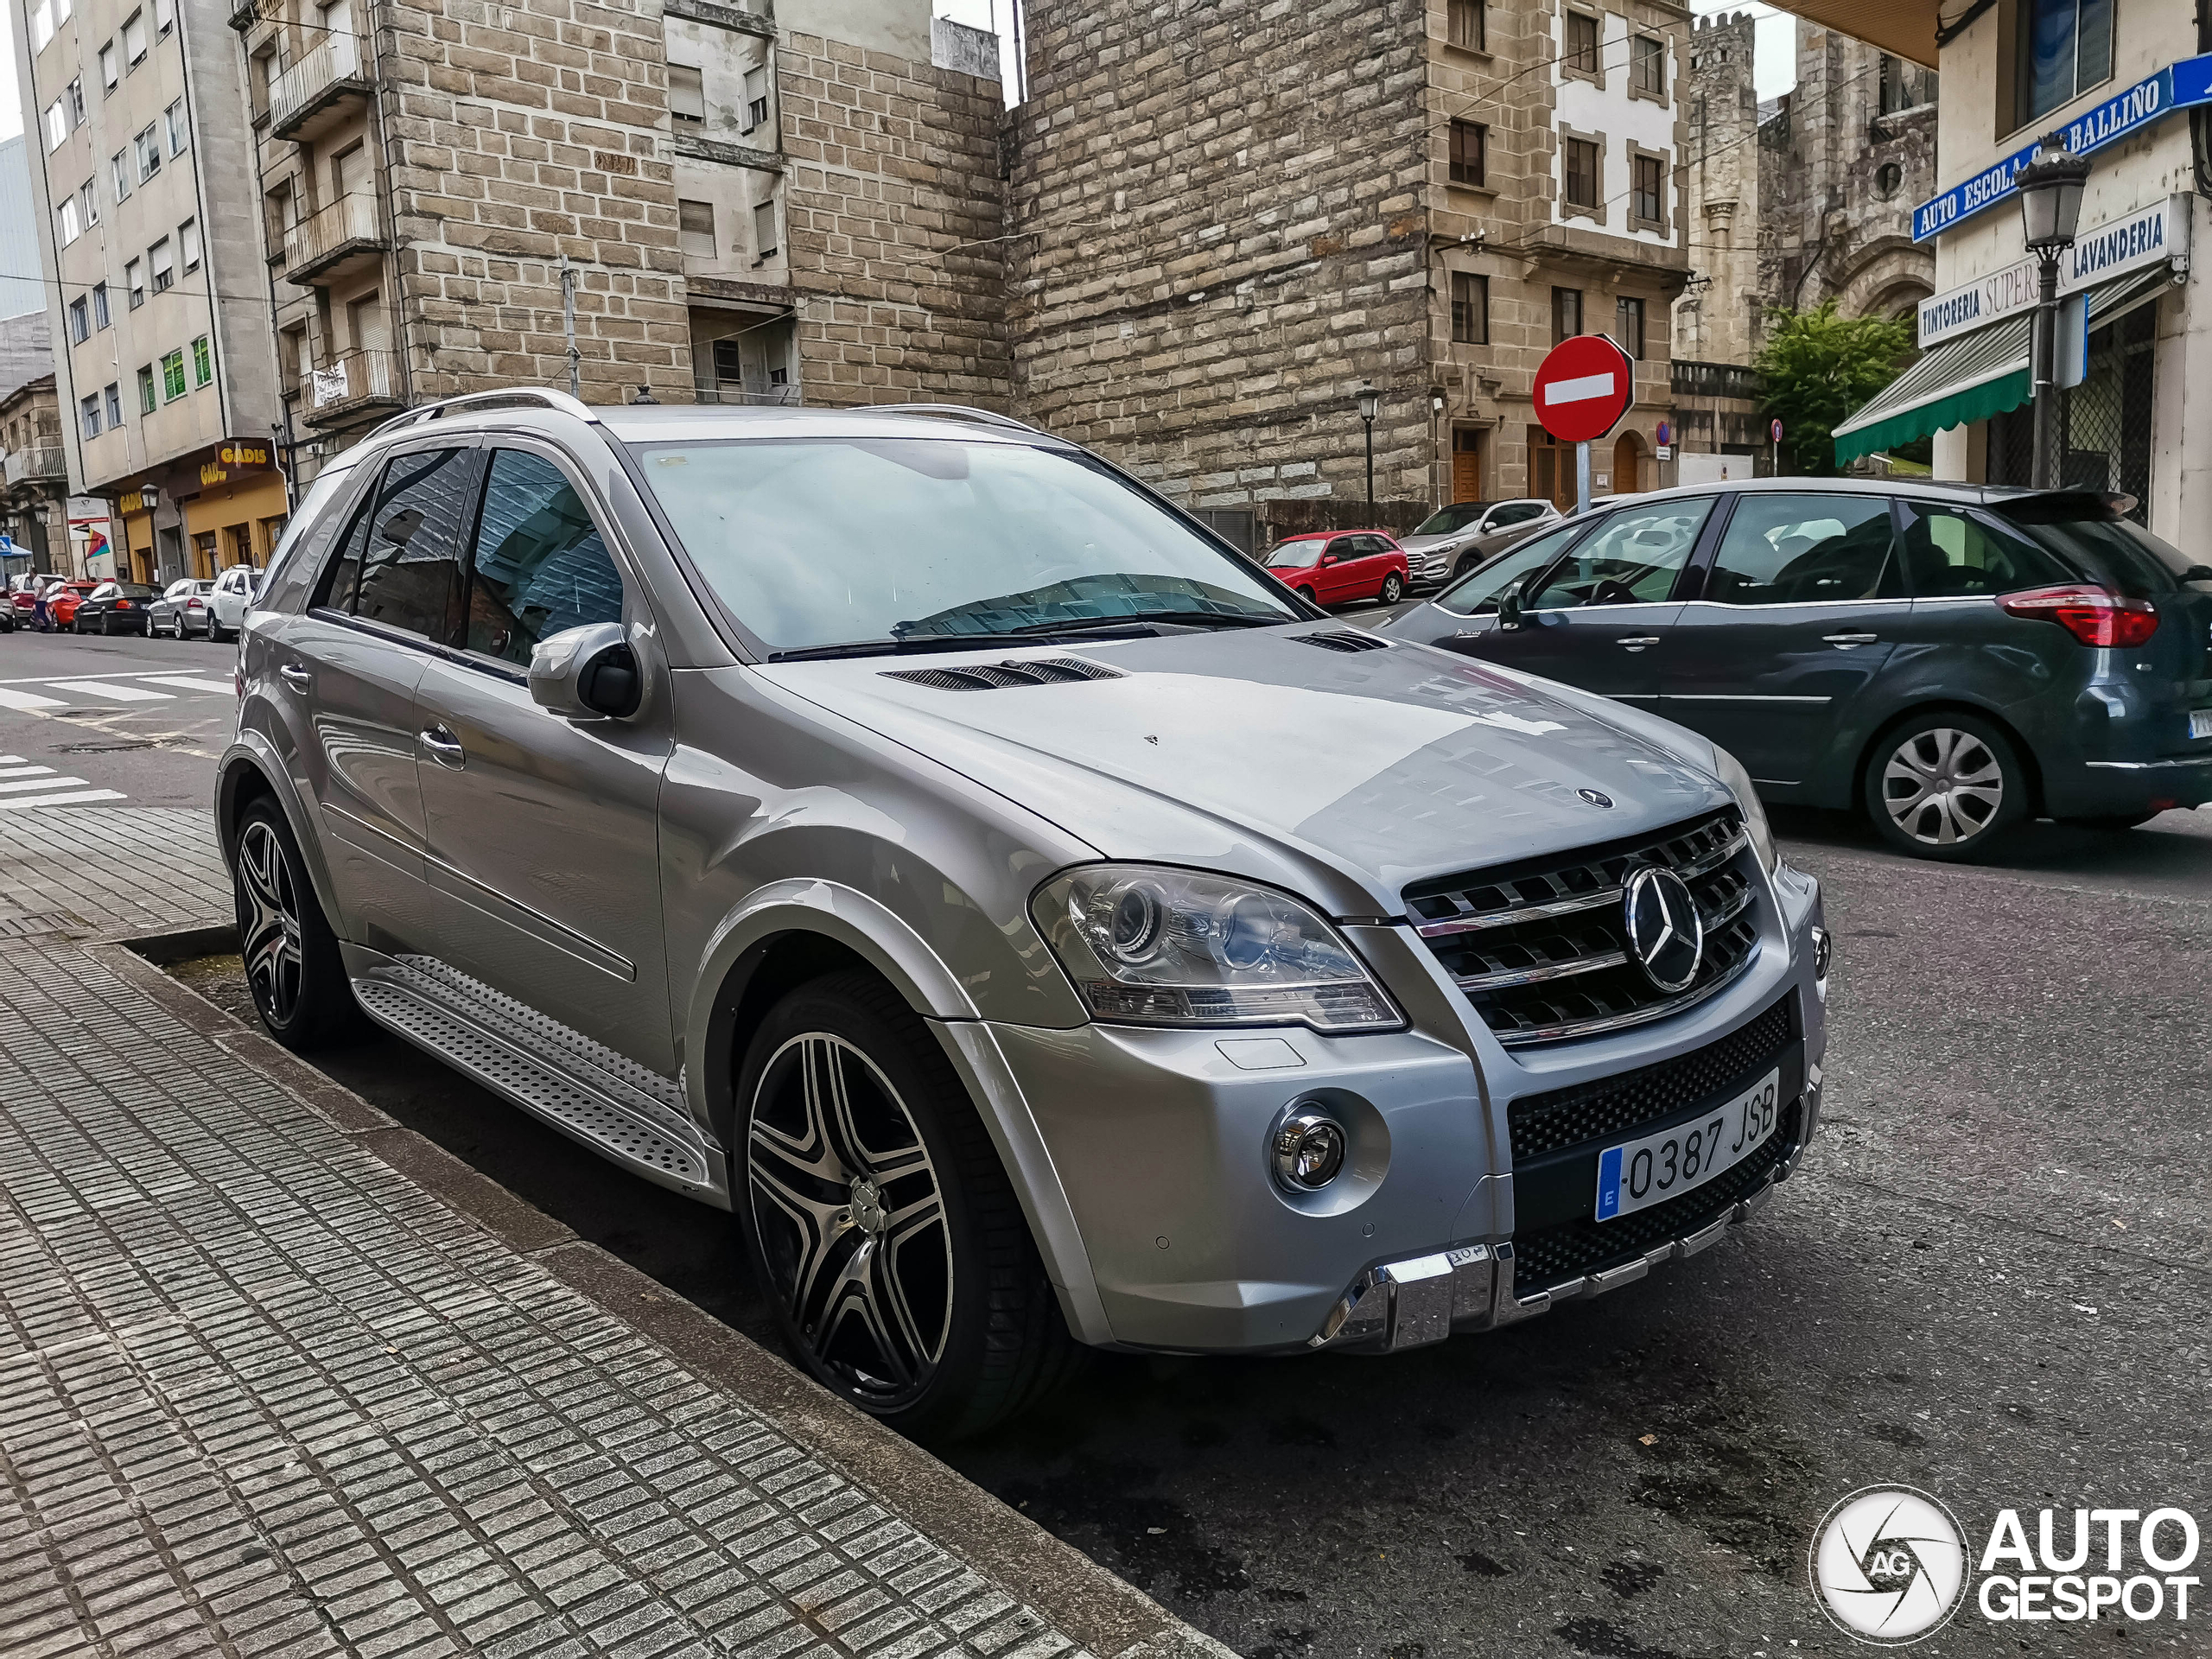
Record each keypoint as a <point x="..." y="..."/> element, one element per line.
<point x="292" y="963"/>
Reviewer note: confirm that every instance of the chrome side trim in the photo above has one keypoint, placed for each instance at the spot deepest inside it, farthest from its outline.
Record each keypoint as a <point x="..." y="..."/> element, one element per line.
<point x="2149" y="765"/>
<point x="1690" y="872"/>
<point x="1636" y="1017"/>
<point x="1538" y="976"/>
<point x="1732" y="696"/>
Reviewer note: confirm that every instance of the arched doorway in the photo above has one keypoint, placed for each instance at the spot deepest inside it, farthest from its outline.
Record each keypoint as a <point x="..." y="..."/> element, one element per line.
<point x="1627" y="463"/>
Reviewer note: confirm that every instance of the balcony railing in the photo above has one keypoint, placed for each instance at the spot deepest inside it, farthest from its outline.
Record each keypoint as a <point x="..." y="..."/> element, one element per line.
<point x="784" y="396"/>
<point x="356" y="381"/>
<point x="36" y="465"/>
<point x="318" y="80"/>
<point x="331" y="235"/>
<point x="1715" y="380"/>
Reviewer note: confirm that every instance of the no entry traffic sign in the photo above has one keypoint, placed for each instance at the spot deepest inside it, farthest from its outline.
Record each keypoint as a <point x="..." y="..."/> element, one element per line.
<point x="1583" y="387"/>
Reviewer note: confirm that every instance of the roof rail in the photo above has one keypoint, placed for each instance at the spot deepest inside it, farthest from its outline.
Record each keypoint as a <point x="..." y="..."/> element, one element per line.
<point x="538" y="396"/>
<point x="951" y="412"/>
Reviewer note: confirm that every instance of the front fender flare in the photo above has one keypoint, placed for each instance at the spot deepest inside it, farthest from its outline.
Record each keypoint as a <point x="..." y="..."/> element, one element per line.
<point x="250" y="750"/>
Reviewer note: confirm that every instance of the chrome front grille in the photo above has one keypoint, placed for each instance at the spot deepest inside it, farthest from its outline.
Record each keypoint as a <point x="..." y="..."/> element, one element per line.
<point x="1542" y="948"/>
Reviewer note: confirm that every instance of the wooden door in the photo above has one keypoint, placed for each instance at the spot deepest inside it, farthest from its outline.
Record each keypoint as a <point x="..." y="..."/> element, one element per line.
<point x="1627" y="461"/>
<point x="1468" y="452"/>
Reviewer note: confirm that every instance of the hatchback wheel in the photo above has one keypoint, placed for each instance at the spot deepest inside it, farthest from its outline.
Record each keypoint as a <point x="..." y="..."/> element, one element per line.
<point x="880" y="1221"/>
<point x="1393" y="588"/>
<point x="1944" y="786"/>
<point x="292" y="964"/>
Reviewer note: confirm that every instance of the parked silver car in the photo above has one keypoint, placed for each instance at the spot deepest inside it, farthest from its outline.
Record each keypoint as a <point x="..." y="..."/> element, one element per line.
<point x="183" y="608"/>
<point x="1039" y="926"/>
<point x="1453" y="540"/>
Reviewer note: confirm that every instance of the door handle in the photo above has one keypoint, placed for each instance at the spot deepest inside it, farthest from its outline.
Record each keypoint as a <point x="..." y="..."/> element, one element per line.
<point x="1847" y="641"/>
<point x="296" y="676"/>
<point x="1637" y="642"/>
<point x="445" y="749"/>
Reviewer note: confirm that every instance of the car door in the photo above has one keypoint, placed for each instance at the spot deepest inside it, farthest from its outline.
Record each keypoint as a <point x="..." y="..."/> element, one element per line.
<point x="1362" y="574"/>
<point x="1801" y="598"/>
<point x="1507" y="523"/>
<point x="1333" y="576"/>
<point x="542" y="831"/>
<point x="344" y="674"/>
<point x="1601" y="616"/>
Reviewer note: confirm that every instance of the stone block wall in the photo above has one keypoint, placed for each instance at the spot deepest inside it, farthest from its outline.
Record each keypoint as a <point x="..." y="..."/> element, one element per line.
<point x="1716" y="319"/>
<point x="894" y="219"/>
<point x="514" y="135"/>
<point x="1217" y="232"/>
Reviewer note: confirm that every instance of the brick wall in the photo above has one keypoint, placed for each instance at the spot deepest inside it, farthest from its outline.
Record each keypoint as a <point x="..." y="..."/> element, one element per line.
<point x="1217" y="234"/>
<point x="894" y="214"/>
<point x="515" y="135"/>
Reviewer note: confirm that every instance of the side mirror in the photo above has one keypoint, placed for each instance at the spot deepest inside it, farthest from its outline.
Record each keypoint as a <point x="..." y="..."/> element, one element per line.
<point x="1509" y="607"/>
<point x="587" y="673"/>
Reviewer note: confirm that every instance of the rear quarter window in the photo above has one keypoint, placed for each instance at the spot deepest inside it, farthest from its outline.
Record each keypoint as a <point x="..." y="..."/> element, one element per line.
<point x="2114" y="551"/>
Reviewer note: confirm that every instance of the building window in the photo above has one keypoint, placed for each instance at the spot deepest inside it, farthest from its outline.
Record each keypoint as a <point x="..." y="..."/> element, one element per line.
<point x="1646" y="203"/>
<point x="80" y="321"/>
<point x="88" y="415"/>
<point x="1469" y="308"/>
<point x="75" y="94"/>
<point x="146" y="390"/>
<point x="1582" y="162"/>
<point x="1566" y="314"/>
<point x="57" y="126"/>
<point x="2065" y="49"/>
<point x="164" y="268"/>
<point x="189" y="234"/>
<point x="203" y="359"/>
<point x="1887" y="178"/>
<point x="1647" y="67"/>
<point x="42" y="26"/>
<point x="149" y="154"/>
<point x="1469" y="145"/>
<point x="113" y="397"/>
<point x="694" y="224"/>
<point x="1628" y="327"/>
<point x="134" y="283"/>
<point x="164" y="14"/>
<point x="1894" y="95"/>
<point x="70" y="227"/>
<point x="123" y="176"/>
<point x="88" y="201"/>
<point x="687" y="93"/>
<point x="1582" y="46"/>
<point x="1470" y="24"/>
<point x="111" y="70"/>
<point x="764" y="229"/>
<point x="173" y="377"/>
<point x="172" y="119"/>
<point x="756" y="98"/>
<point x="100" y="317"/>
<point x="134" y="40"/>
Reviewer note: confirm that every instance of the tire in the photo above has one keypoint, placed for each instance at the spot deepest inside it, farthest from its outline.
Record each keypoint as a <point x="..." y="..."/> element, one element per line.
<point x="1306" y="594"/>
<point x="219" y="635"/>
<point x="293" y="968"/>
<point x="1393" y="588"/>
<point x="908" y="1287"/>
<point x="1944" y="786"/>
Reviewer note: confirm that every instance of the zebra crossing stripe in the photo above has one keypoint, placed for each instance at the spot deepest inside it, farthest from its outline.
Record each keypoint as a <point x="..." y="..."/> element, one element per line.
<point x="75" y="797"/>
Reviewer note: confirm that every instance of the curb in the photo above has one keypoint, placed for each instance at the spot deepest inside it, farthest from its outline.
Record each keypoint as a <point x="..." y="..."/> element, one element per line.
<point x="1107" y="1616"/>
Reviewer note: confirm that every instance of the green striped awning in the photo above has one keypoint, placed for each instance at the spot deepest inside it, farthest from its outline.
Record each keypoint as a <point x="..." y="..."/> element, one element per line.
<point x="1975" y="377"/>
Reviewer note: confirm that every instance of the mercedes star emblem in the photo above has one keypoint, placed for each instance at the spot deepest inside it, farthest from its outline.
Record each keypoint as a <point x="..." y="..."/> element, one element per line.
<point x="1595" y="797"/>
<point x="1665" y="932"/>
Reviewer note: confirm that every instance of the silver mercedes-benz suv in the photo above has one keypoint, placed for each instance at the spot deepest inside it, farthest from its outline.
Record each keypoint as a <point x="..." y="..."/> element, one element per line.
<point x="905" y="830"/>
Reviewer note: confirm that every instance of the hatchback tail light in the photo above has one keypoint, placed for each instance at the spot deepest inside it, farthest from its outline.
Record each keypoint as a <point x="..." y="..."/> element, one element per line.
<point x="2096" y="616"/>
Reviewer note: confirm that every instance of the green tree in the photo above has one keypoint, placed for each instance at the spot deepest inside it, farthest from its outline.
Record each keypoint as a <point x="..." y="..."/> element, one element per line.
<point x="1818" y="367"/>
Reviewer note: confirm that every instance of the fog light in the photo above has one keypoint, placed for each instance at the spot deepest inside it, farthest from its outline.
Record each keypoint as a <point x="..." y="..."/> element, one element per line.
<point x="1309" y="1151"/>
<point x="1823" y="951"/>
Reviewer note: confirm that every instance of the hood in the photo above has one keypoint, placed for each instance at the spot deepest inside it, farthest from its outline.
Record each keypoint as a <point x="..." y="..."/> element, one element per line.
<point x="1384" y="765"/>
<point x="1424" y="543"/>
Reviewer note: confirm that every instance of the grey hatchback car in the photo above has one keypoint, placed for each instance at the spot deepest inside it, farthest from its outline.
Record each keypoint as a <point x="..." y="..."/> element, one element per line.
<point x="904" y="830"/>
<point x="1948" y="658"/>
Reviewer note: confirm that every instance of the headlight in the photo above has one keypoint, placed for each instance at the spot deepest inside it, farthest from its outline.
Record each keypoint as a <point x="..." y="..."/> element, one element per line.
<point x="1165" y="947"/>
<point x="1755" y="824"/>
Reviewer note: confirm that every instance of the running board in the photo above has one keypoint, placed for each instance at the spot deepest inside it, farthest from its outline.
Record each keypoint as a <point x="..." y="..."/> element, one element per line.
<point x="623" y="1111"/>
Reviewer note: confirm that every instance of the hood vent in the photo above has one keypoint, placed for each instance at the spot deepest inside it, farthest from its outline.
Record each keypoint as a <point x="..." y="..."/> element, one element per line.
<point x="990" y="677"/>
<point x="1346" y="639"/>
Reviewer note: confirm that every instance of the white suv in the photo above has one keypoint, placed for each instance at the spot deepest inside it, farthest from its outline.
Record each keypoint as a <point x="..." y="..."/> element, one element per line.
<point x="226" y="604"/>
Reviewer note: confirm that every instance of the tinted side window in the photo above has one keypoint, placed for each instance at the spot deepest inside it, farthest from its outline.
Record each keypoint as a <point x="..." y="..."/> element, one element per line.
<point x="1632" y="558"/>
<point x="399" y="564"/>
<point x="539" y="564"/>
<point x="1518" y="513"/>
<point x="1799" y="549"/>
<point x="1477" y="594"/>
<point x="1950" y="553"/>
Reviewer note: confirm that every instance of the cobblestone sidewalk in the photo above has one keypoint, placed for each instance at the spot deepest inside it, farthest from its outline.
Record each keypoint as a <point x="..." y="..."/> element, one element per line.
<point x="262" y="1393"/>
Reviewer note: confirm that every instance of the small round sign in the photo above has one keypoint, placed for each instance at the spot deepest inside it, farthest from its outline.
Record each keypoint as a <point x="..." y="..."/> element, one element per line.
<point x="1775" y="431"/>
<point x="1583" y="387"/>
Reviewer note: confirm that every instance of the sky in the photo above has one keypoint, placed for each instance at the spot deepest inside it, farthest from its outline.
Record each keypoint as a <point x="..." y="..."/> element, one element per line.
<point x="11" y="114"/>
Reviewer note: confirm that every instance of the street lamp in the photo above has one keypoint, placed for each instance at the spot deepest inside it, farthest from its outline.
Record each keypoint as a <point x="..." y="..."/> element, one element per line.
<point x="2050" y="209"/>
<point x="1370" y="401"/>
<point x="1437" y="404"/>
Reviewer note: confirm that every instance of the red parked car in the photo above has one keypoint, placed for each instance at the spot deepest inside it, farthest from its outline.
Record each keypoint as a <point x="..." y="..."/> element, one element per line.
<point x="58" y="604"/>
<point x="1337" y="567"/>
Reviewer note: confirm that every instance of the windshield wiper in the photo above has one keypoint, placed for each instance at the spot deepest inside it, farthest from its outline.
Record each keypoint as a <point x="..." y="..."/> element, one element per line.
<point x="1134" y="618"/>
<point x="913" y="643"/>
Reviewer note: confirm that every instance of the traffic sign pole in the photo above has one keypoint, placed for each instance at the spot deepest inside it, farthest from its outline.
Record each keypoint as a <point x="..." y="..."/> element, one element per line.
<point x="1582" y="476"/>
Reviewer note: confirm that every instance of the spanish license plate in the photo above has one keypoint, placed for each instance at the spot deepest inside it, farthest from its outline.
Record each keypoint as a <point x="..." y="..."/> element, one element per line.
<point x="2200" y="722"/>
<point x="1637" y="1174"/>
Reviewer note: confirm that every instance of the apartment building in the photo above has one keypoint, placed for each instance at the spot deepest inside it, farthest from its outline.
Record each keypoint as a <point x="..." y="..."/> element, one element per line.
<point x="164" y="367"/>
<point x="33" y="479"/>
<point x="693" y="200"/>
<point x="1225" y="221"/>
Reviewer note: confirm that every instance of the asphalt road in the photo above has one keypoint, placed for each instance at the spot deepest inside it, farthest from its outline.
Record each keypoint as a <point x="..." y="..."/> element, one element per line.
<point x="130" y="721"/>
<point x="1989" y="1280"/>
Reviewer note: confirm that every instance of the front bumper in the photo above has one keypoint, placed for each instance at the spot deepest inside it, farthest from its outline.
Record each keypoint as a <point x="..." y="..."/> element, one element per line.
<point x="1159" y="1141"/>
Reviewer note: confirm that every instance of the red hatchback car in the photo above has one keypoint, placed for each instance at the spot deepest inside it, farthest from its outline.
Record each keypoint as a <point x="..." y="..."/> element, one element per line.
<point x="1335" y="567"/>
<point x="61" y="602"/>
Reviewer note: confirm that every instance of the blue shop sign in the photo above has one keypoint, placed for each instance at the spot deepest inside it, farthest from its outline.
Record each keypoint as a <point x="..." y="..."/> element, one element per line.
<point x="2176" y="87"/>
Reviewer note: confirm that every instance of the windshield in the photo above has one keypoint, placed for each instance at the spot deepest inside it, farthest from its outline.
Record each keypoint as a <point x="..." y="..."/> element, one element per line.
<point x="1451" y="518"/>
<point x="2112" y="550"/>
<point x="1477" y="594"/>
<point x="815" y="542"/>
